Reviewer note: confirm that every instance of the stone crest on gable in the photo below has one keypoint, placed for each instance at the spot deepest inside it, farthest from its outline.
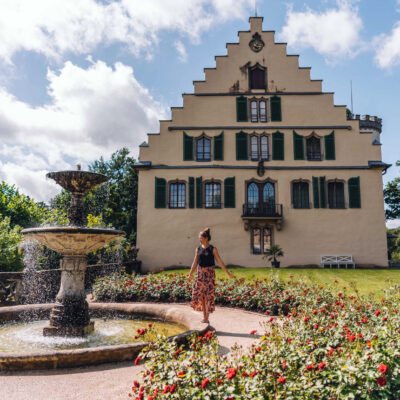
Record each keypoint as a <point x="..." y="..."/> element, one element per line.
<point x="256" y="44"/>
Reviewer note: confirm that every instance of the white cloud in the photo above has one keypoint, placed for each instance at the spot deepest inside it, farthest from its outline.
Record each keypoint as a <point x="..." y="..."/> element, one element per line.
<point x="388" y="48"/>
<point x="393" y="223"/>
<point x="333" y="33"/>
<point x="56" y="27"/>
<point x="29" y="181"/>
<point x="180" y="48"/>
<point x="92" y="112"/>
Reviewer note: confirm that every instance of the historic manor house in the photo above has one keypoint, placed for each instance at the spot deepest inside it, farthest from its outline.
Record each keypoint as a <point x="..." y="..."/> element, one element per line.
<point x="261" y="155"/>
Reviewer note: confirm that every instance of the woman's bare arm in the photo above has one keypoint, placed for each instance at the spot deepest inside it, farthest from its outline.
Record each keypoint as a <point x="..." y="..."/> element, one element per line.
<point x="221" y="263"/>
<point x="194" y="264"/>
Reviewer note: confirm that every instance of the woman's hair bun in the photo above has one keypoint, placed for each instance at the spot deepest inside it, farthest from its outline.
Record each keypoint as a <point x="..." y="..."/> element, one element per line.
<point x="206" y="233"/>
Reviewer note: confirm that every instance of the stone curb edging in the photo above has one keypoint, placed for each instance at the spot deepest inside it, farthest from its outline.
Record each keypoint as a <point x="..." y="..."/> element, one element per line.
<point x="98" y="355"/>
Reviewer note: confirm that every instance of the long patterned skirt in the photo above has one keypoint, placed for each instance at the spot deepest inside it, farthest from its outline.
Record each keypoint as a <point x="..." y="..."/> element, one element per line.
<point x="204" y="286"/>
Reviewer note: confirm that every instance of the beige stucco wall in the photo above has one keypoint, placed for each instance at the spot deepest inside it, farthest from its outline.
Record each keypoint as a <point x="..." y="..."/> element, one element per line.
<point x="169" y="236"/>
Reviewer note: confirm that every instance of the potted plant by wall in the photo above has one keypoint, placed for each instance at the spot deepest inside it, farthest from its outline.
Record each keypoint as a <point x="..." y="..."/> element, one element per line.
<point x="273" y="253"/>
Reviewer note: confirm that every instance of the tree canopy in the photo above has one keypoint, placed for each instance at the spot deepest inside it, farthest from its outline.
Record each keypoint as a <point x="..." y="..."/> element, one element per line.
<point x="114" y="202"/>
<point x="392" y="197"/>
<point x="19" y="208"/>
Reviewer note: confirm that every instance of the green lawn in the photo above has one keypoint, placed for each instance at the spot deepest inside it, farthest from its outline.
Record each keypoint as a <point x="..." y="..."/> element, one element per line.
<point x="366" y="281"/>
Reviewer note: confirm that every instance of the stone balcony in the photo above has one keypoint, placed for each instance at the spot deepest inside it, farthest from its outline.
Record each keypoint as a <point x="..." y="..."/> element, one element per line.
<point x="262" y="213"/>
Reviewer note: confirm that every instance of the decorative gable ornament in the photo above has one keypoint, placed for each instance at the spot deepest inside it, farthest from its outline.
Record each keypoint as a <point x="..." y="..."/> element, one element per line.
<point x="260" y="168"/>
<point x="256" y="44"/>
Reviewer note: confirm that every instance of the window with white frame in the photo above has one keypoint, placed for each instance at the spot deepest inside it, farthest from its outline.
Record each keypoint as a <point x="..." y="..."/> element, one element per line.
<point x="203" y="149"/>
<point x="212" y="195"/>
<point x="254" y="110"/>
<point x="336" y="194"/>
<point x="264" y="147"/>
<point x="254" y="153"/>
<point x="258" y="147"/>
<point x="261" y="239"/>
<point x="177" y="195"/>
<point x="258" y="110"/>
<point x="262" y="107"/>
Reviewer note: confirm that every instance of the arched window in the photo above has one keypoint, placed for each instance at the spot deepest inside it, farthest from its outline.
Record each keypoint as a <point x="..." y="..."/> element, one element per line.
<point x="336" y="194"/>
<point x="254" y="147"/>
<point x="262" y="105"/>
<point x="252" y="196"/>
<point x="257" y="77"/>
<point x="313" y="149"/>
<point x="203" y="150"/>
<point x="254" y="111"/>
<point x="177" y="195"/>
<point x="260" y="199"/>
<point x="300" y="195"/>
<point x="269" y="193"/>
<point x="212" y="195"/>
<point x="264" y="147"/>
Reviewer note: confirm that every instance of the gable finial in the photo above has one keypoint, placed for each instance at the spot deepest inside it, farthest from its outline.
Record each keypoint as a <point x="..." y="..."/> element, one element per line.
<point x="255" y="8"/>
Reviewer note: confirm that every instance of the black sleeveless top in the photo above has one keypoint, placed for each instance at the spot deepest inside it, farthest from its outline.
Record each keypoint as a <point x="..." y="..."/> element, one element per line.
<point x="206" y="256"/>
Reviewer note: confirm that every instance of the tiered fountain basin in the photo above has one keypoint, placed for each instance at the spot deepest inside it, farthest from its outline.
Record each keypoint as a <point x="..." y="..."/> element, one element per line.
<point x="70" y="314"/>
<point x="178" y="320"/>
<point x="72" y="241"/>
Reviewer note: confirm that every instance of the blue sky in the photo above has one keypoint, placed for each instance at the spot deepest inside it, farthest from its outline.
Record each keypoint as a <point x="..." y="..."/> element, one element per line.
<point x="82" y="78"/>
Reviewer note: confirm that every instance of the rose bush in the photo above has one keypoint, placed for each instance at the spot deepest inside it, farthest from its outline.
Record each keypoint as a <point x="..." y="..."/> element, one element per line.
<point x="329" y="345"/>
<point x="272" y="296"/>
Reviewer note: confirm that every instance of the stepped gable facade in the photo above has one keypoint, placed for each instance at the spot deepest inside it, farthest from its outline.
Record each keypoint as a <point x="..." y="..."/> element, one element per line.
<point x="261" y="155"/>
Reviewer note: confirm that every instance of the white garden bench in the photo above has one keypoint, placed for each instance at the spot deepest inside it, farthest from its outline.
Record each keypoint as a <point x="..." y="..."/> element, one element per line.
<point x="337" y="260"/>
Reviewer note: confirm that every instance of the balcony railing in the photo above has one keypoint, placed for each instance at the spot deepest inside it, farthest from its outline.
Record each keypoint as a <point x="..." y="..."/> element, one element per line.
<point x="266" y="210"/>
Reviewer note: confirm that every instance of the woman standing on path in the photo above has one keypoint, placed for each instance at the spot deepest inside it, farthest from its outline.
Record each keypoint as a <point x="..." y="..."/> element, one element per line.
<point x="203" y="294"/>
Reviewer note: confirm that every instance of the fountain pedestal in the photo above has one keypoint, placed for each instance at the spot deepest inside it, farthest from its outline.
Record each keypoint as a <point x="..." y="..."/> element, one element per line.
<point x="70" y="315"/>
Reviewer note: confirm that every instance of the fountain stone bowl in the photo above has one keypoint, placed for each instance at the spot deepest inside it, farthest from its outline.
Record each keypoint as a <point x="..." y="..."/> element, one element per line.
<point x="77" y="181"/>
<point x="72" y="241"/>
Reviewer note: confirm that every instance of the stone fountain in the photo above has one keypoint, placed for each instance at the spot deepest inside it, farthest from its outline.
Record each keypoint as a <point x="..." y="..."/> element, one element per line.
<point x="70" y="314"/>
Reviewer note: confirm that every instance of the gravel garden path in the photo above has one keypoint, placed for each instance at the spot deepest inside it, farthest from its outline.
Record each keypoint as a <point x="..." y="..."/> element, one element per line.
<point x="113" y="381"/>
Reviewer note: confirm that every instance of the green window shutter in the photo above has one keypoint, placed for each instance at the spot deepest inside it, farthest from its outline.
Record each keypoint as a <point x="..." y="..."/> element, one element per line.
<point x="160" y="193"/>
<point x="229" y="191"/>
<point x="277" y="146"/>
<point x="187" y="147"/>
<point x="354" y="192"/>
<point x="322" y="191"/>
<point x="276" y="109"/>
<point x="191" y="192"/>
<point x="241" y="146"/>
<point x="241" y="109"/>
<point x="199" y="192"/>
<point x="330" y="146"/>
<point x="315" y="191"/>
<point x="219" y="147"/>
<point x="298" y="146"/>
